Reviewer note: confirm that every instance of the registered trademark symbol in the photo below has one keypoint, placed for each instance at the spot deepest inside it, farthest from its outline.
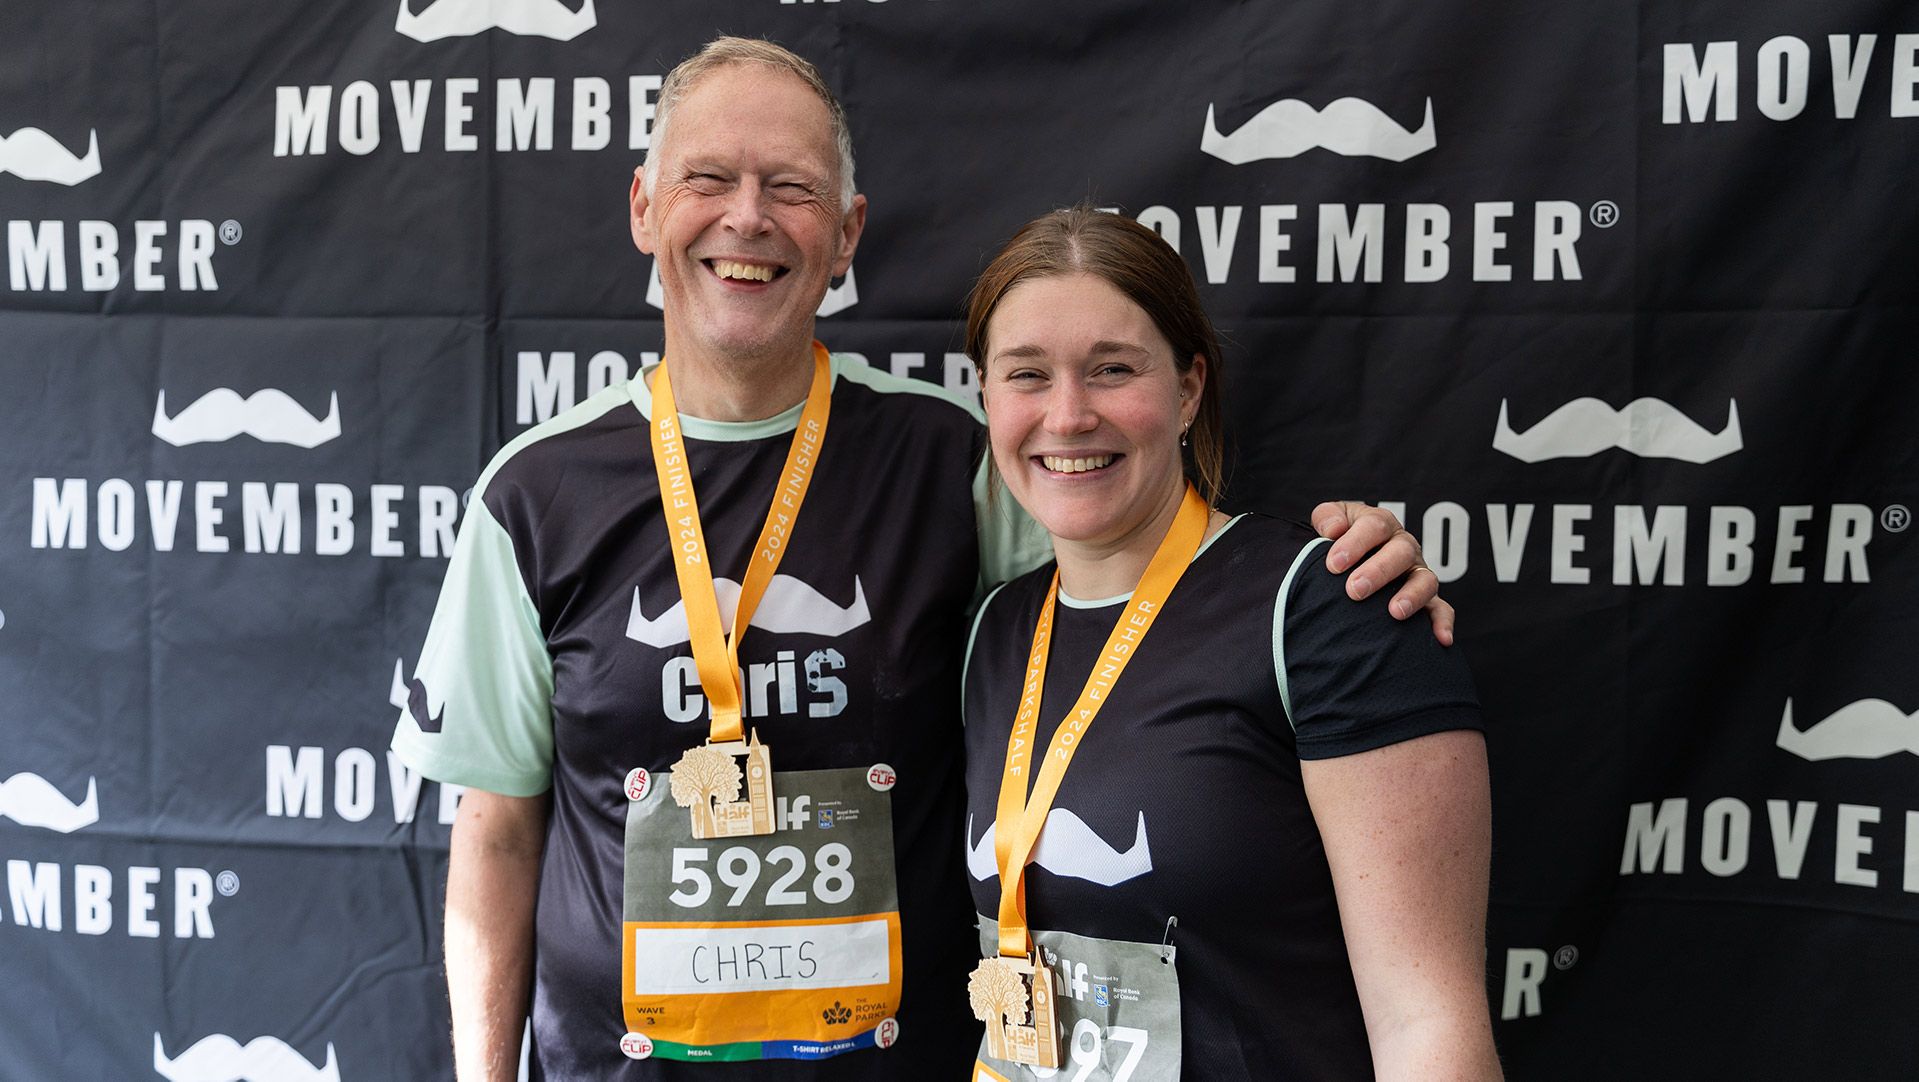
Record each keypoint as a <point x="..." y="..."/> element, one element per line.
<point x="1566" y="957"/>
<point x="227" y="884"/>
<point x="230" y="232"/>
<point x="1895" y="518"/>
<point x="1604" y="214"/>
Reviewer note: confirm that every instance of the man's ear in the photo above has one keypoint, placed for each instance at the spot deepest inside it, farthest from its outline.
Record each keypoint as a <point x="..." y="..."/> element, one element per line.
<point x="637" y="205"/>
<point x="851" y="226"/>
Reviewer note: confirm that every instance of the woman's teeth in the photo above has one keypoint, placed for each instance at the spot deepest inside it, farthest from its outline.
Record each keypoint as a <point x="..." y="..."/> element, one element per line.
<point x="1076" y="465"/>
<point x="726" y="268"/>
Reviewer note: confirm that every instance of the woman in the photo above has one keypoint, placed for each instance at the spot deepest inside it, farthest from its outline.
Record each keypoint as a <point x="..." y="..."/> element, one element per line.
<point x="1268" y="857"/>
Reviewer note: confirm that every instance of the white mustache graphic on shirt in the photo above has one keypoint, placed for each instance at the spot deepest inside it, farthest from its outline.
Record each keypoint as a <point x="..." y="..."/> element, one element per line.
<point x="1647" y="427"/>
<point x="1352" y="127"/>
<point x="32" y="801"/>
<point x="269" y="415"/>
<point x="1867" y="729"/>
<point x="32" y="154"/>
<point x="1067" y="846"/>
<point x="838" y="298"/>
<point x="789" y="606"/>
<point x="465" y="18"/>
<point x="220" y="1058"/>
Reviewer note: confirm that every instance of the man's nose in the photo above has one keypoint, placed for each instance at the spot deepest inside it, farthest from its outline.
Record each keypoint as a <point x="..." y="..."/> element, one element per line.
<point x="746" y="208"/>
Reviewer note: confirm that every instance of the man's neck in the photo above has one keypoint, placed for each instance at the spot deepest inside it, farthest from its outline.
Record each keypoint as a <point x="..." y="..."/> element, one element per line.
<point x="738" y="388"/>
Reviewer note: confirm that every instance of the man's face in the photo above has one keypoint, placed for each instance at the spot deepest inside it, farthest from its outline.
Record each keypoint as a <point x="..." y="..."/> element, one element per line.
<point x="744" y="220"/>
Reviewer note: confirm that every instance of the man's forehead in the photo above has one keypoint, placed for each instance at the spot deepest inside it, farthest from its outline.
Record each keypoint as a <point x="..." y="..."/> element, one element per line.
<point x="757" y="110"/>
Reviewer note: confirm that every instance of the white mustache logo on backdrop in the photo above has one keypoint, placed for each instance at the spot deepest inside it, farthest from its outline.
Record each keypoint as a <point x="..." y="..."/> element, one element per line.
<point x="465" y="18"/>
<point x="838" y="298"/>
<point x="269" y="415"/>
<point x="789" y="607"/>
<point x="1352" y="127"/>
<point x="1647" y="427"/>
<point x="1867" y="729"/>
<point x="220" y="1058"/>
<point x="1067" y="846"/>
<point x="32" y="154"/>
<point x="32" y="801"/>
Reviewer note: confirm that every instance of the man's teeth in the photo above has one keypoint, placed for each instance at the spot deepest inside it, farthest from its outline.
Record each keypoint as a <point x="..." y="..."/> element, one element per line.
<point x="1076" y="465"/>
<point x="751" y="272"/>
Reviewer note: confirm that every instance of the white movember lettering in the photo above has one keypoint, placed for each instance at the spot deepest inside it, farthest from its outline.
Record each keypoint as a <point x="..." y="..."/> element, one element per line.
<point x="269" y="415"/>
<point x="1867" y="729"/>
<point x="465" y="18"/>
<point x="1067" y="846"/>
<point x="220" y="1058"/>
<point x="1352" y="127"/>
<point x="1647" y="427"/>
<point x="32" y="154"/>
<point x="33" y="801"/>
<point x="789" y="606"/>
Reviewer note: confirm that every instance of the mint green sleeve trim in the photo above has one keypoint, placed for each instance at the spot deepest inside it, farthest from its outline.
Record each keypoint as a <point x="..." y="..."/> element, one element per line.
<point x="966" y="663"/>
<point x="1010" y="542"/>
<point x="487" y="673"/>
<point x="1279" y="626"/>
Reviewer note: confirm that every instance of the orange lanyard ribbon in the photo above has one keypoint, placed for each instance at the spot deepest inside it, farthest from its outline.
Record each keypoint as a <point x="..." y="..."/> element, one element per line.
<point x="1020" y="819"/>
<point x="717" y="657"/>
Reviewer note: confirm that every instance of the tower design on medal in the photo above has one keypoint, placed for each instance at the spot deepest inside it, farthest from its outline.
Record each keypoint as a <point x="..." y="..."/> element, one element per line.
<point x="1014" y="997"/>
<point x="707" y="780"/>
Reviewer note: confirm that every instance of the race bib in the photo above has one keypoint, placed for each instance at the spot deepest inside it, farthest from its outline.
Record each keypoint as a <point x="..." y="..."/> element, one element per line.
<point x="778" y="946"/>
<point x="1114" y="1005"/>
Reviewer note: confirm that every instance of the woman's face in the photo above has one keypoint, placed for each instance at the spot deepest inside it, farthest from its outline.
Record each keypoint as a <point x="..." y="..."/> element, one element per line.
<point x="1084" y="407"/>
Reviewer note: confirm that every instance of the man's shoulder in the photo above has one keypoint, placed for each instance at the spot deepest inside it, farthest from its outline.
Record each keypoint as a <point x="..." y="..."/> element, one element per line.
<point x="535" y="457"/>
<point x="916" y="398"/>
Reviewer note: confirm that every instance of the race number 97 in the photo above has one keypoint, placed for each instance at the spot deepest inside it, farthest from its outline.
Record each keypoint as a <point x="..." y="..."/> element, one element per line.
<point x="1087" y="1049"/>
<point x="740" y="871"/>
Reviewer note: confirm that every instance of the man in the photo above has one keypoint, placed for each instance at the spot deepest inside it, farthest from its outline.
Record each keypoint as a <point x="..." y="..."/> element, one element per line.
<point x="575" y="656"/>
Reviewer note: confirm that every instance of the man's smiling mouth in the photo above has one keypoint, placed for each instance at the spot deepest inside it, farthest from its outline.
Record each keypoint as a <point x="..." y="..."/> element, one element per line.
<point x="732" y="270"/>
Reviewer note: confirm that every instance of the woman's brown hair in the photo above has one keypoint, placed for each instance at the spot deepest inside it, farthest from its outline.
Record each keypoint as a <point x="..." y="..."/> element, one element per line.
<point x="1134" y="260"/>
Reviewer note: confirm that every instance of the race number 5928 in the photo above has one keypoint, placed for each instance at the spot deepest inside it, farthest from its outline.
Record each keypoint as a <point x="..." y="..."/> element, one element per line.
<point x="740" y="870"/>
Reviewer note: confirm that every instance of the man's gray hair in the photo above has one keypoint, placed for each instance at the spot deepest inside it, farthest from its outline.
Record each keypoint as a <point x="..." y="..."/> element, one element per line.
<point x="721" y="52"/>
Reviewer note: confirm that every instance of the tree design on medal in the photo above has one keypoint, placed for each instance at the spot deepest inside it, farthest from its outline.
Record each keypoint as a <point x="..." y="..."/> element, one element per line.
<point x="703" y="775"/>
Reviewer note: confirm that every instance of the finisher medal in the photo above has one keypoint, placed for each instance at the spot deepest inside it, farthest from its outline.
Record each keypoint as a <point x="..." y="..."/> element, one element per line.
<point x="708" y="779"/>
<point x="1013" y="992"/>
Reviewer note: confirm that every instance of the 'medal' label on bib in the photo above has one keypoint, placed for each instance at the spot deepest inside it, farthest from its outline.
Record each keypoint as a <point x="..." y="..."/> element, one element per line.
<point x="1114" y="1005"/>
<point x="776" y="946"/>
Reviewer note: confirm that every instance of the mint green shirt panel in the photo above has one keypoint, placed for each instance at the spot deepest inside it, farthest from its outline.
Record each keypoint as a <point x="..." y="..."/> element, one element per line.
<point x="487" y="673"/>
<point x="485" y="664"/>
<point x="1279" y="625"/>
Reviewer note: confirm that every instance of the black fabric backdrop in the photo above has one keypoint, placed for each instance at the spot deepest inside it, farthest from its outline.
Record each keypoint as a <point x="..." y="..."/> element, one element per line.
<point x="1706" y="842"/>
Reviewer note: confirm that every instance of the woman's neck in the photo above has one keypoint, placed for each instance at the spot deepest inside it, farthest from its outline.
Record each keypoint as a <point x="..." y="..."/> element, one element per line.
<point x="1091" y="571"/>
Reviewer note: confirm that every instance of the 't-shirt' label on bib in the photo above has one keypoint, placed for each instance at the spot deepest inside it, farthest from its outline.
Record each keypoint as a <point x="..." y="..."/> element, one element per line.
<point x="1115" y="1005"/>
<point x="778" y="946"/>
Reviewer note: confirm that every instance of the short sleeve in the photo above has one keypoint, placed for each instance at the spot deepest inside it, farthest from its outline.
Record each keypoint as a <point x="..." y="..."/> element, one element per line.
<point x="1010" y="542"/>
<point x="1351" y="677"/>
<point x="479" y="709"/>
